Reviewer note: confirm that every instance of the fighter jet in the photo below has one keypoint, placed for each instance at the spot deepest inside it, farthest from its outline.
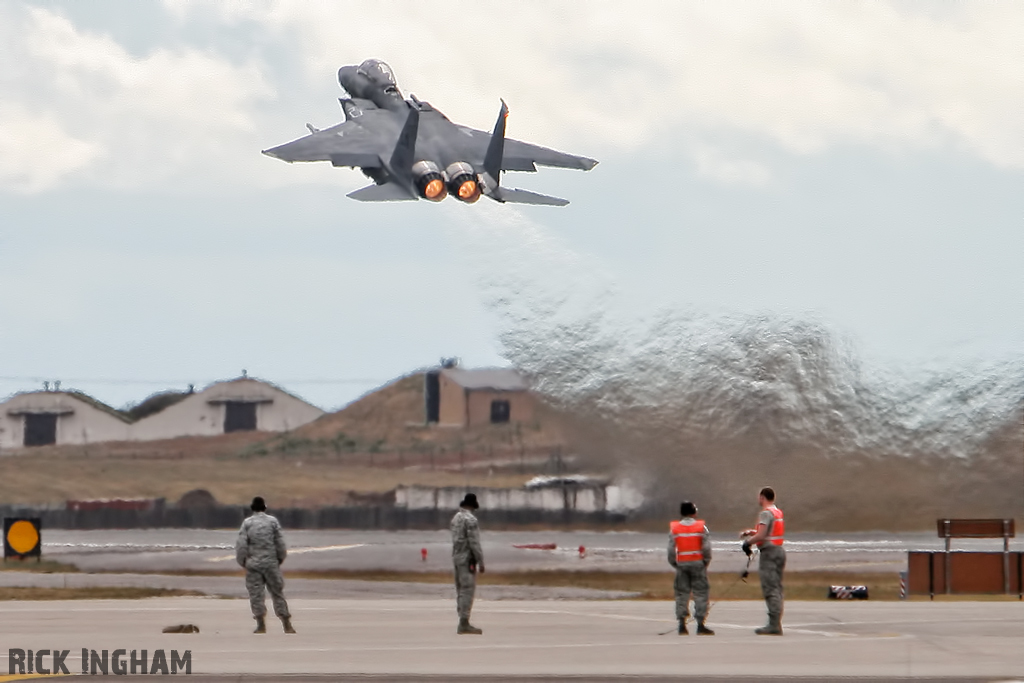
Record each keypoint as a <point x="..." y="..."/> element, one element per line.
<point x="411" y="150"/>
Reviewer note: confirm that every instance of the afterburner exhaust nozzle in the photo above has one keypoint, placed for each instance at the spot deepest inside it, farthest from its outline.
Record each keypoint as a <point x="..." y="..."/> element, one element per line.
<point x="463" y="182"/>
<point x="429" y="180"/>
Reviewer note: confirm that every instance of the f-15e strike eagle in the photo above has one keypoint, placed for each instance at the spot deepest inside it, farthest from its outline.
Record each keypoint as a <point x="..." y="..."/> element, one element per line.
<point x="411" y="150"/>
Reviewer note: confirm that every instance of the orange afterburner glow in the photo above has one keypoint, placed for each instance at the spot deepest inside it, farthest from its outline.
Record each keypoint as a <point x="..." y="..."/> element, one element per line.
<point x="463" y="183"/>
<point x="434" y="189"/>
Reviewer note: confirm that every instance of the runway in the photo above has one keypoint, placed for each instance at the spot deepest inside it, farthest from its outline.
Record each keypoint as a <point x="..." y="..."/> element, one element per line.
<point x="212" y="550"/>
<point x="529" y="640"/>
<point x="233" y="587"/>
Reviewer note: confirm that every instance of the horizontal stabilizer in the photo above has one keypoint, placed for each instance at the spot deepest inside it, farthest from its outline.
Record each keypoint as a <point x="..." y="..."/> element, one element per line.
<point x="504" y="194"/>
<point x="388" y="192"/>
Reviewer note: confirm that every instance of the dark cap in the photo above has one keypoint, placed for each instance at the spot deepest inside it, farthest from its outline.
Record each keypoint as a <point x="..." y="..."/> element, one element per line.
<point x="687" y="509"/>
<point x="258" y="504"/>
<point x="470" y="502"/>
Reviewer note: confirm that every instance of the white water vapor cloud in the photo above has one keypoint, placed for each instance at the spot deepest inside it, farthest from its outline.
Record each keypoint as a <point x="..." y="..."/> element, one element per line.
<point x="687" y="372"/>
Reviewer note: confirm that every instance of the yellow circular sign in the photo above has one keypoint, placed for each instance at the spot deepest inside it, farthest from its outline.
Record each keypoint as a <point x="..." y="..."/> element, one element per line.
<point x="22" y="537"/>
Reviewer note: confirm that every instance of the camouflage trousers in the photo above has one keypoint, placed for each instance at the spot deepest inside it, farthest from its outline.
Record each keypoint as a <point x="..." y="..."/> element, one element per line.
<point x="771" y="566"/>
<point x="258" y="578"/>
<point x="465" y="589"/>
<point x="691" y="577"/>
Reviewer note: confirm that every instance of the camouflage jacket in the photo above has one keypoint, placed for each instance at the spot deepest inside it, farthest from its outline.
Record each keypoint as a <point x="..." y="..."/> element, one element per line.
<point x="260" y="541"/>
<point x="466" y="538"/>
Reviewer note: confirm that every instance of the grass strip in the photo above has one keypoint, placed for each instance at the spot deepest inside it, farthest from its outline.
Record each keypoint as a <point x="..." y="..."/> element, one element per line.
<point x="44" y="567"/>
<point x="92" y="593"/>
<point x="647" y="585"/>
<point x="799" y="585"/>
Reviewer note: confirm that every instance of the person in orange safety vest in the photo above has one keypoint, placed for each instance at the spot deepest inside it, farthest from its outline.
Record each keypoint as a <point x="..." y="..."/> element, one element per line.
<point x="689" y="551"/>
<point x="768" y="536"/>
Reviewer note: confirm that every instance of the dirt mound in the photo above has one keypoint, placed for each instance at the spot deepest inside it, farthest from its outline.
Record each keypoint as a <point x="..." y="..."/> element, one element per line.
<point x="376" y="416"/>
<point x="197" y="499"/>
<point x="370" y="447"/>
<point x="393" y="418"/>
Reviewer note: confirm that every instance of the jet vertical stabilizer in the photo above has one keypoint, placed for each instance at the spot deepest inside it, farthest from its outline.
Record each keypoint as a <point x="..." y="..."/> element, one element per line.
<point x="495" y="150"/>
<point x="405" y="149"/>
<point x="492" y="171"/>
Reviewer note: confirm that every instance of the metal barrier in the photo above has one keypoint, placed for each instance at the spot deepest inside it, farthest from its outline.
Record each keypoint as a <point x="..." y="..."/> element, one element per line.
<point x="968" y="572"/>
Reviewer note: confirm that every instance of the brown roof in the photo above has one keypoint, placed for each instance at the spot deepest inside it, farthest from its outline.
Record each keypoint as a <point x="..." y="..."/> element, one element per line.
<point x="98" y="405"/>
<point x="79" y="396"/>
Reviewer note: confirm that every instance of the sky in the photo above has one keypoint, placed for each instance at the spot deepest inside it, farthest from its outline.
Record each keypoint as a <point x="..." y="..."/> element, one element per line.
<point x="857" y="164"/>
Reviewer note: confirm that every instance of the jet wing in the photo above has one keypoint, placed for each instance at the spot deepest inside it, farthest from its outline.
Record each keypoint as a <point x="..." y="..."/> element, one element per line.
<point x="522" y="156"/>
<point x="346" y="144"/>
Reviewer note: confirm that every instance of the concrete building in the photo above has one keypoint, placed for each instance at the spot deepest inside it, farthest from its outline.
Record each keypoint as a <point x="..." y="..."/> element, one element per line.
<point x="469" y="398"/>
<point x="577" y="494"/>
<point x="43" y="418"/>
<point x="242" y="404"/>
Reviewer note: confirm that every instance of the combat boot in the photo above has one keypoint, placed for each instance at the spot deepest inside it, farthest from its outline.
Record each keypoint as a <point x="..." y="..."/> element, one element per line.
<point x="287" y="623"/>
<point x="772" y="628"/>
<point x="703" y="630"/>
<point x="467" y="628"/>
<point x="682" y="628"/>
<point x="261" y="625"/>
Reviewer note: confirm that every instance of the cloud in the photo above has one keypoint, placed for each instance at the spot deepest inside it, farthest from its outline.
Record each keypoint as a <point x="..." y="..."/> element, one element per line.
<point x="35" y="151"/>
<point x="601" y="79"/>
<point x="712" y="163"/>
<point x="806" y="76"/>
<point x="84" y="107"/>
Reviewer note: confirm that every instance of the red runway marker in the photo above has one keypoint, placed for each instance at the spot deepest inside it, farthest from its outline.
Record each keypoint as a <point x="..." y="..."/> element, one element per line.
<point x="423" y="554"/>
<point x="583" y="552"/>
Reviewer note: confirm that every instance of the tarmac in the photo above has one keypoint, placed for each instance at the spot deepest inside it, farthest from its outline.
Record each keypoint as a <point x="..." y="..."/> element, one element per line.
<point x="414" y="639"/>
<point x="395" y="631"/>
<point x="234" y="587"/>
<point x="204" y="550"/>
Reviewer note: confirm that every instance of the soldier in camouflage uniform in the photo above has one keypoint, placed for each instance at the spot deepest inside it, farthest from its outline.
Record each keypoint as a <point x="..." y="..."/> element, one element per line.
<point x="689" y="551"/>
<point x="260" y="549"/>
<point x="468" y="557"/>
<point x="768" y="536"/>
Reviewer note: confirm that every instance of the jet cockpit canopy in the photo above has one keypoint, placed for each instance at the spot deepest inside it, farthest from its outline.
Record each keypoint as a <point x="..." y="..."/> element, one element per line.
<point x="372" y="80"/>
<point x="381" y="75"/>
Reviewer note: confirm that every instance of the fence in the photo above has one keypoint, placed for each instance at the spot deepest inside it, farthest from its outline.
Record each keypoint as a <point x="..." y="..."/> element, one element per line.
<point x="354" y="517"/>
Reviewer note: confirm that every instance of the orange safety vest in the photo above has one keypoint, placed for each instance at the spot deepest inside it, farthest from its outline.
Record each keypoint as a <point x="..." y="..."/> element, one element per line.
<point x="778" y="527"/>
<point x="688" y="539"/>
